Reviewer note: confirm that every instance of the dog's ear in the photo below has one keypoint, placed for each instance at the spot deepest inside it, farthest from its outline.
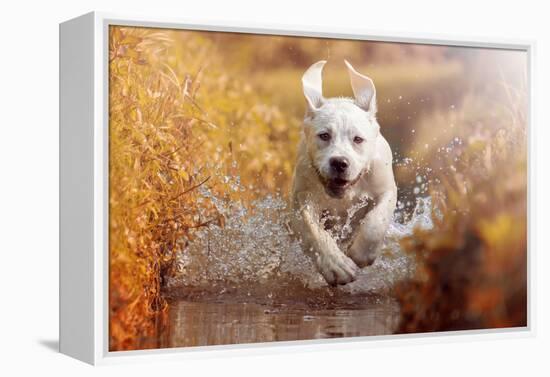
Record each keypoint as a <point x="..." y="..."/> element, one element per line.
<point x="312" y="82"/>
<point x="363" y="89"/>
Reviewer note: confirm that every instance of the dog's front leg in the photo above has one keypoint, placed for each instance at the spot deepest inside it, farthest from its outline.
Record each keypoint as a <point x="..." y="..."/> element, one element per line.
<point x="332" y="263"/>
<point x="368" y="240"/>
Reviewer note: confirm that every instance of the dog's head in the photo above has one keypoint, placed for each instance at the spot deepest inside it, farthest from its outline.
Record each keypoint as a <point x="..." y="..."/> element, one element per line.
<point x="340" y="132"/>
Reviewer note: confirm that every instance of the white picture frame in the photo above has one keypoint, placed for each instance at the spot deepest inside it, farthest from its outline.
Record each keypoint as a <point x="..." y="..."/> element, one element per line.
<point x="84" y="189"/>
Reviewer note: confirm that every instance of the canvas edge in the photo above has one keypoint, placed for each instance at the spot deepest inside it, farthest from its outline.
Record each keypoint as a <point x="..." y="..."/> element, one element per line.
<point x="76" y="182"/>
<point x="305" y="30"/>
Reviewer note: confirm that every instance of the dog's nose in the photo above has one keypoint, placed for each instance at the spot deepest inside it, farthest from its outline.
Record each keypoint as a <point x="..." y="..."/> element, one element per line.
<point x="339" y="164"/>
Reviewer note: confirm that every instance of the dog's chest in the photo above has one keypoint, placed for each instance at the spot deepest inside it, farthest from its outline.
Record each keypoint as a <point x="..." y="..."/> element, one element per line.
<point x="342" y="218"/>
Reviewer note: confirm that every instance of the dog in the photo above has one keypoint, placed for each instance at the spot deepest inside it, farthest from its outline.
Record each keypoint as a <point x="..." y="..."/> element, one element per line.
<point x="343" y="178"/>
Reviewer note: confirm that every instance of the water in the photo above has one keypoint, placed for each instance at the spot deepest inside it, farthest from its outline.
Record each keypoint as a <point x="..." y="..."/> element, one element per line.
<point x="249" y="281"/>
<point x="200" y="323"/>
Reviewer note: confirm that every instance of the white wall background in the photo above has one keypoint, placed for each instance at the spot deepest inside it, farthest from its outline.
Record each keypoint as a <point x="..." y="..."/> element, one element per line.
<point x="29" y="184"/>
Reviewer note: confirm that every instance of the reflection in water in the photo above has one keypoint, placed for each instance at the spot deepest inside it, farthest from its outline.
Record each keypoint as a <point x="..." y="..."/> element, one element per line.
<point x="214" y="323"/>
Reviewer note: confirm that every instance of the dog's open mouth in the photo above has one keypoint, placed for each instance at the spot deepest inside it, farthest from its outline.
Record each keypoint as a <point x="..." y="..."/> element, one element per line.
<point x="339" y="182"/>
<point x="337" y="187"/>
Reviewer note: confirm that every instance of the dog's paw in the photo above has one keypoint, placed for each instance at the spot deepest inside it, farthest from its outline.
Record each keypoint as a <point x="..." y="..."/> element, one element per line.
<point x="337" y="268"/>
<point x="364" y="254"/>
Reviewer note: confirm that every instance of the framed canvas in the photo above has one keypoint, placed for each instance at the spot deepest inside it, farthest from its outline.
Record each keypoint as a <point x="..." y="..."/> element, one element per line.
<point x="248" y="188"/>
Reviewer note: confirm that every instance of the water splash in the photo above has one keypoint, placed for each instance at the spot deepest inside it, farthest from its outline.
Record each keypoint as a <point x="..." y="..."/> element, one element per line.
<point x="394" y="264"/>
<point x="254" y="252"/>
<point x="254" y="245"/>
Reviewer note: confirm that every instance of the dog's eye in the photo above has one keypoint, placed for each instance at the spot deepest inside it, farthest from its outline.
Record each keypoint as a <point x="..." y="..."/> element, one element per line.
<point x="325" y="136"/>
<point x="358" y="140"/>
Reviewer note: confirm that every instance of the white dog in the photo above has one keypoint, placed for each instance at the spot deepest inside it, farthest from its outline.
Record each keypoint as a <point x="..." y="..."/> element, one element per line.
<point x="344" y="164"/>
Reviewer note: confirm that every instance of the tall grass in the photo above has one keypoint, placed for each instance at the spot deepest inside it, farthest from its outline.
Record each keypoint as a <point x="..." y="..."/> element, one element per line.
<point x="151" y="180"/>
<point x="176" y="124"/>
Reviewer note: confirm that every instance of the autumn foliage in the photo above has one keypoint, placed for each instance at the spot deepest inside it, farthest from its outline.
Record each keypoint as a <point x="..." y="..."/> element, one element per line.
<point x="472" y="267"/>
<point x="174" y="128"/>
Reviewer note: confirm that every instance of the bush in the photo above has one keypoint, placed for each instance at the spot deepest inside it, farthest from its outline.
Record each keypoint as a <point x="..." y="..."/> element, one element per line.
<point x="472" y="266"/>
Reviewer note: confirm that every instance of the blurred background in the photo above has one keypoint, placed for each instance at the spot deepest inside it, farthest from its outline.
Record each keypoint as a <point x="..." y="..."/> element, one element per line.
<point x="188" y="109"/>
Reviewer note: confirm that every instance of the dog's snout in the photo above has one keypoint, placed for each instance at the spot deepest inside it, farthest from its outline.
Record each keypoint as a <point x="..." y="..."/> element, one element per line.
<point x="339" y="164"/>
